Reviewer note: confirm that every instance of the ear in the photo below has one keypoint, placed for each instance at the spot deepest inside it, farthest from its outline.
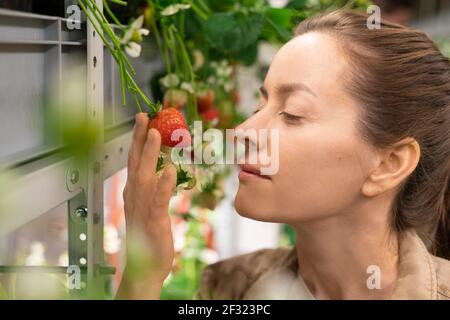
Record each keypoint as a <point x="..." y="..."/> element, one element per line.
<point x="397" y="163"/>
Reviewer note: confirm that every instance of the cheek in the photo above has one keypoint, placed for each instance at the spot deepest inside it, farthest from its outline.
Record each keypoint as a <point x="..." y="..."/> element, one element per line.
<point x="320" y="174"/>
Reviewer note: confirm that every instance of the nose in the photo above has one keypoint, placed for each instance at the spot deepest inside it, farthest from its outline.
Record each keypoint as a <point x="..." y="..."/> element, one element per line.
<point x="247" y="136"/>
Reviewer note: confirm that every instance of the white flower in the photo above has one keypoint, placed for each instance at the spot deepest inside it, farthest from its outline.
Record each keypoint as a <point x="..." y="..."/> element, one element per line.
<point x="223" y="63"/>
<point x="228" y="86"/>
<point x="174" y="8"/>
<point x="133" y="49"/>
<point x="133" y="36"/>
<point x="211" y="80"/>
<point x="228" y="71"/>
<point x="135" y="29"/>
<point x="199" y="59"/>
<point x="187" y="87"/>
<point x="170" y="80"/>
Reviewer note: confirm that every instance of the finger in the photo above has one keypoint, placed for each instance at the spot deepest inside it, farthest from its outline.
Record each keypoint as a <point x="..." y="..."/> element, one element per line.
<point x="137" y="145"/>
<point x="149" y="158"/>
<point x="164" y="190"/>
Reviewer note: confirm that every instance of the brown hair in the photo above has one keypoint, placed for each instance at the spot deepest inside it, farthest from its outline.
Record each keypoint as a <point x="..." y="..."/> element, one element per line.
<point x="403" y="81"/>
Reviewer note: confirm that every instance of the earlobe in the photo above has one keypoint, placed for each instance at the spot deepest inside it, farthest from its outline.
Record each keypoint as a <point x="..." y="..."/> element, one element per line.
<point x="370" y="189"/>
<point x="398" y="162"/>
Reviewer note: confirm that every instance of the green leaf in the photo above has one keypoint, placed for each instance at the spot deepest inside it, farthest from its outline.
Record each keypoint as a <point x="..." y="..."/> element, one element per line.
<point x="283" y="33"/>
<point x="296" y="4"/>
<point x="280" y="16"/>
<point x="248" y="55"/>
<point x="232" y="32"/>
<point x="160" y="163"/>
<point x="278" y="22"/>
<point x="185" y="178"/>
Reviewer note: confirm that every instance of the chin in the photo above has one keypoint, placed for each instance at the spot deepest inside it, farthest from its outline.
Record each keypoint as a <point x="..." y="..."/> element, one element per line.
<point x="250" y="206"/>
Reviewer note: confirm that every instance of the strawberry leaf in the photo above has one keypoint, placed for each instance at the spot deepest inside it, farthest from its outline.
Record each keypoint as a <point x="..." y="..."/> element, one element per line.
<point x="232" y="32"/>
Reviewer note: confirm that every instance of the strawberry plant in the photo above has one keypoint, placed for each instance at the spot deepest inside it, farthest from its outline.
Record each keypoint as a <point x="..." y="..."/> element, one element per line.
<point x="201" y="43"/>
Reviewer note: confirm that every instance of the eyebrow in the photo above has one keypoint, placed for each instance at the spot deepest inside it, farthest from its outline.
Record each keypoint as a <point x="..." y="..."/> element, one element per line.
<point x="285" y="89"/>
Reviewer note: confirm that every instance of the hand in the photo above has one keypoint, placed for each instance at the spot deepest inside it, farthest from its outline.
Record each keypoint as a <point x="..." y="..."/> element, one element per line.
<point x="148" y="224"/>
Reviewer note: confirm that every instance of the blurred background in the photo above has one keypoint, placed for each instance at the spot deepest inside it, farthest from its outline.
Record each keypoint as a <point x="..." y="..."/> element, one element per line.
<point x="50" y="177"/>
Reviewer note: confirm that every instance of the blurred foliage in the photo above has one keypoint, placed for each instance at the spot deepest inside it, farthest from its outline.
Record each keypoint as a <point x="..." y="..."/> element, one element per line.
<point x="185" y="279"/>
<point x="288" y="236"/>
<point x="444" y="46"/>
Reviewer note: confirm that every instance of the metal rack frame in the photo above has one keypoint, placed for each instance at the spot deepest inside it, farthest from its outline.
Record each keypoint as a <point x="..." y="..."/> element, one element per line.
<point x="43" y="174"/>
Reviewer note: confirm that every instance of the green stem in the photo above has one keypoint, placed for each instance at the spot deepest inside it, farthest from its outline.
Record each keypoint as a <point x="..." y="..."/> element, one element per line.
<point x="103" y="22"/>
<point x="182" y="19"/>
<point x="186" y="58"/>
<point x="94" y="24"/>
<point x="112" y="15"/>
<point x="98" y="20"/>
<point x="139" y="91"/>
<point x="166" y="51"/>
<point x="157" y="36"/>
<point x="137" y="103"/>
<point x="127" y="62"/>
<point x="198" y="11"/>
<point x="173" y="46"/>
<point x="109" y="32"/>
<point x="122" y="82"/>
<point x="204" y="6"/>
<point x="122" y="3"/>
<point x="107" y="28"/>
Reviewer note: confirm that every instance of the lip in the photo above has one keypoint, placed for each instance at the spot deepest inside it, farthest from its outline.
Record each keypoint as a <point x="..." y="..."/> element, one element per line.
<point x="251" y="172"/>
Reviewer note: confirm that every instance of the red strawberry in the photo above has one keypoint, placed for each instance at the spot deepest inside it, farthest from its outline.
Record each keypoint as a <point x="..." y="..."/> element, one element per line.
<point x="166" y="122"/>
<point x="205" y="100"/>
<point x="210" y="115"/>
<point x="175" y="98"/>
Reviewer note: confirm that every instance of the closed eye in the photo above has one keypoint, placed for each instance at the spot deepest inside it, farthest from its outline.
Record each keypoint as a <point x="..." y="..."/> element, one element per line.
<point x="289" y="116"/>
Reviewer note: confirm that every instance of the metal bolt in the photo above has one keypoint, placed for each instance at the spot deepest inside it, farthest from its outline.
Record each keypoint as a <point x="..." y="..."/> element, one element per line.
<point x="74" y="176"/>
<point x="81" y="212"/>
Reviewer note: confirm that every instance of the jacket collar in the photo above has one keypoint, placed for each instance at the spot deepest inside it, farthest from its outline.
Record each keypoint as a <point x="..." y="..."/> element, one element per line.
<point x="417" y="277"/>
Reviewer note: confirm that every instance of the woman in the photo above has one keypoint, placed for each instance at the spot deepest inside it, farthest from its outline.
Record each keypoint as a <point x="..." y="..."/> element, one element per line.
<point x="364" y="162"/>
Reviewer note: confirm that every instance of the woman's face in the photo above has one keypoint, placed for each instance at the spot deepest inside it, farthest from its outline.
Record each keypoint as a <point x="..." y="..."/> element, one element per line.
<point x="323" y="160"/>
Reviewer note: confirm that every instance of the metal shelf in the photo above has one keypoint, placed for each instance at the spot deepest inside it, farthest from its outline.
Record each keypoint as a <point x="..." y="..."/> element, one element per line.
<point x="34" y="48"/>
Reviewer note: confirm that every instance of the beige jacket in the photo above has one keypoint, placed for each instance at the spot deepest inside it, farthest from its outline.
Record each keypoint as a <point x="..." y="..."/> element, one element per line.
<point x="272" y="274"/>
